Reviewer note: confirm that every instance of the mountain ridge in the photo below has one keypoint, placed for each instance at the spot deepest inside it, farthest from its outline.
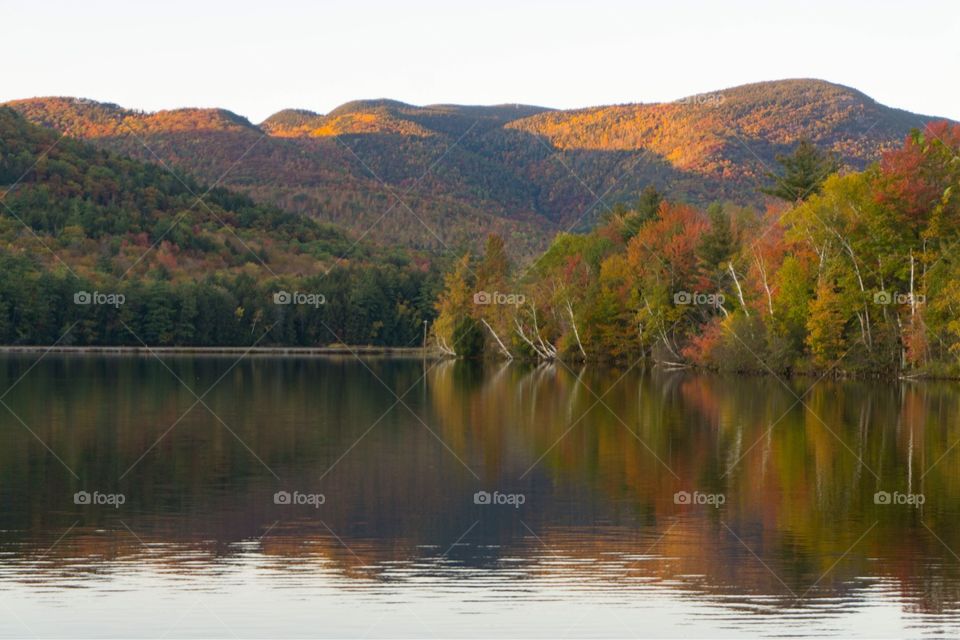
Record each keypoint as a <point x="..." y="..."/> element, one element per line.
<point x="441" y="176"/>
<point x="84" y="106"/>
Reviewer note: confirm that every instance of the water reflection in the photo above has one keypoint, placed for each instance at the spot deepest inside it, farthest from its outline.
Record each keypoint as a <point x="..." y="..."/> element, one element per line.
<point x="599" y="546"/>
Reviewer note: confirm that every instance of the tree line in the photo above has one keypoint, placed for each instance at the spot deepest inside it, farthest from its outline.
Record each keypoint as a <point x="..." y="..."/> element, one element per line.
<point x="849" y="270"/>
<point x="120" y="251"/>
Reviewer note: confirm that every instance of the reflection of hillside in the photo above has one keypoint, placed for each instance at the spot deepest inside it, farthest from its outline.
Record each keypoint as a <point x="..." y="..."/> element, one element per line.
<point x="597" y="497"/>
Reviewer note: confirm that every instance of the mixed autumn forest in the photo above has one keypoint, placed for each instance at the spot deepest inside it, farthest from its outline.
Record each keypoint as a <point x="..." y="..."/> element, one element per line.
<point x="195" y="265"/>
<point x="791" y="226"/>
<point x="462" y="172"/>
<point x="854" y="271"/>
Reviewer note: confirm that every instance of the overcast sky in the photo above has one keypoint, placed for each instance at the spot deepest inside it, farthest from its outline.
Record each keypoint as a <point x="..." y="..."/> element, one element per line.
<point x="256" y="58"/>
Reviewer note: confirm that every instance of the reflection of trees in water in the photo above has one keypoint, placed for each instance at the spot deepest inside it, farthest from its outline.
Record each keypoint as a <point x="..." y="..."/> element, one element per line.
<point x="798" y="477"/>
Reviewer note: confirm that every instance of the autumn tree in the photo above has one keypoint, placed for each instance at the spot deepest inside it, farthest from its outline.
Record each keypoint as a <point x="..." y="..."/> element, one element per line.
<point x="455" y="329"/>
<point x="663" y="262"/>
<point x="825" y="325"/>
<point x="492" y="289"/>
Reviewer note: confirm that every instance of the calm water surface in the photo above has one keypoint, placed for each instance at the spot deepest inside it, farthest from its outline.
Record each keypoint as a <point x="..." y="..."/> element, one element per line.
<point x="784" y="532"/>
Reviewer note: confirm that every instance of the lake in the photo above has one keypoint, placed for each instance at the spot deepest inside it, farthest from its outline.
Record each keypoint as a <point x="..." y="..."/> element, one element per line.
<point x="268" y="496"/>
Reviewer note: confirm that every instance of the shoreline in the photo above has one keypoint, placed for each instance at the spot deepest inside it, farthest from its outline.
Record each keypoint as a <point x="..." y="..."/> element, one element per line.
<point x="430" y="353"/>
<point x="410" y="352"/>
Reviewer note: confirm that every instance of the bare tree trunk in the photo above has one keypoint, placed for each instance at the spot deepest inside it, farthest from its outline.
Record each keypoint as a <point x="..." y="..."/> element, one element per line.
<point x="548" y="348"/>
<point x="523" y="336"/>
<point x="739" y="290"/>
<point x="763" y="278"/>
<point x="662" y="330"/>
<point x="503" y="349"/>
<point x="903" y="347"/>
<point x="576" y="333"/>
<point x="883" y="287"/>
<point x="863" y="331"/>
<point x="444" y="347"/>
<point x="913" y="301"/>
<point x="821" y="254"/>
<point x="868" y="335"/>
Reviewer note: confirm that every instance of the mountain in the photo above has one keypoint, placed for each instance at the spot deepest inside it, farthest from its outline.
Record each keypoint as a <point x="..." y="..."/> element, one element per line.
<point x="194" y="264"/>
<point x="442" y="176"/>
<point x="82" y="118"/>
<point x="352" y="179"/>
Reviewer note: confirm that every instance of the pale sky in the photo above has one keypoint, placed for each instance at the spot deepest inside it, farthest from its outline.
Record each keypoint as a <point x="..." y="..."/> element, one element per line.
<point x="256" y="58"/>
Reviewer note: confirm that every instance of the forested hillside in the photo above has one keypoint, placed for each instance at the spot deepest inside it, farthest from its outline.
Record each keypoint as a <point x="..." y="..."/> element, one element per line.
<point x="360" y="167"/>
<point x="854" y="271"/>
<point x="440" y="177"/>
<point x="123" y="251"/>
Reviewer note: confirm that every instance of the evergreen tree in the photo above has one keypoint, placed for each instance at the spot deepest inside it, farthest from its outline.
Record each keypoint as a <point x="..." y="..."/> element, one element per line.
<point x="647" y="207"/>
<point x="717" y="243"/>
<point x="802" y="173"/>
<point x="649" y="203"/>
